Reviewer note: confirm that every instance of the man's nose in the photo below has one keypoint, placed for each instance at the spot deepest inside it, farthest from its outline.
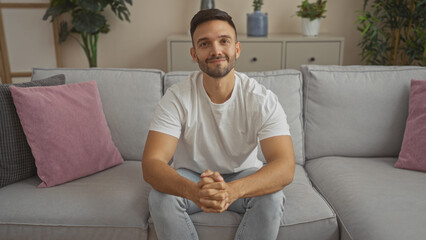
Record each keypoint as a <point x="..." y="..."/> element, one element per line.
<point x="216" y="49"/>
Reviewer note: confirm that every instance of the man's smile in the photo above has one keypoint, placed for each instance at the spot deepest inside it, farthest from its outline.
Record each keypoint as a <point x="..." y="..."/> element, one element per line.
<point x="217" y="60"/>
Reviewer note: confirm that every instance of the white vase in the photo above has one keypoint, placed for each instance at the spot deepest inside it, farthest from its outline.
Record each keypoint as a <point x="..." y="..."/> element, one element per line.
<point x="310" y="28"/>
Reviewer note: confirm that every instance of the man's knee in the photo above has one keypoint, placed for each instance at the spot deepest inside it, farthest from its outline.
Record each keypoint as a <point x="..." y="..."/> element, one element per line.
<point x="273" y="202"/>
<point x="158" y="200"/>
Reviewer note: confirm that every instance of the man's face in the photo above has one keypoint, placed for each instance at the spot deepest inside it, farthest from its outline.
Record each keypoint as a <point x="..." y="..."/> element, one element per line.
<point x="215" y="48"/>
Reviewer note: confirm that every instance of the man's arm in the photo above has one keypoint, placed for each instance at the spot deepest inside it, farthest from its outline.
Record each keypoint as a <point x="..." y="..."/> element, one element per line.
<point x="159" y="150"/>
<point x="274" y="176"/>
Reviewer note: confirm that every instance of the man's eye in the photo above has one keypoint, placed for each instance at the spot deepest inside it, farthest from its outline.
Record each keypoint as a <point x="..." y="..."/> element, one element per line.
<point x="203" y="44"/>
<point x="225" y="41"/>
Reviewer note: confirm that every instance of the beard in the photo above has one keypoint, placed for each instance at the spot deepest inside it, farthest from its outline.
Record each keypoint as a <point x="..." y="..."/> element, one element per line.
<point x="217" y="71"/>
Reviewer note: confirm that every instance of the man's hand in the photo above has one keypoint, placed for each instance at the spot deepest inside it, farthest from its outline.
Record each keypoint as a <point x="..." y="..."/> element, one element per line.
<point x="215" y="194"/>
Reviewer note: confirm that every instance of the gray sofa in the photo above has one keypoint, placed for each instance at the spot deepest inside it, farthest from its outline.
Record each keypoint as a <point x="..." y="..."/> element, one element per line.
<point x="346" y="123"/>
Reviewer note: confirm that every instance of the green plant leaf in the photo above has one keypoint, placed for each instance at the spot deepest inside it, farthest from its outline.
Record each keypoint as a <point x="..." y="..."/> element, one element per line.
<point x="257" y="5"/>
<point x="63" y="32"/>
<point x="104" y="29"/>
<point x="89" y="22"/>
<point x="58" y="7"/>
<point x="120" y="9"/>
<point x="91" y="5"/>
<point x="312" y="10"/>
<point x="366" y="29"/>
<point x="380" y="27"/>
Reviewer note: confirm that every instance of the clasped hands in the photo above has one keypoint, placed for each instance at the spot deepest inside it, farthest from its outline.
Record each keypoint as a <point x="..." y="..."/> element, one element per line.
<point x="214" y="194"/>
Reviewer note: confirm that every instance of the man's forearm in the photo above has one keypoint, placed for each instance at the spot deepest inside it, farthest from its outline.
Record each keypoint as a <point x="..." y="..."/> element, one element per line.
<point x="164" y="178"/>
<point x="271" y="178"/>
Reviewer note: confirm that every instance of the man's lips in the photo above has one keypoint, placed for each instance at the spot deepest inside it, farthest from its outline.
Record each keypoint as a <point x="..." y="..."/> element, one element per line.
<point x="217" y="60"/>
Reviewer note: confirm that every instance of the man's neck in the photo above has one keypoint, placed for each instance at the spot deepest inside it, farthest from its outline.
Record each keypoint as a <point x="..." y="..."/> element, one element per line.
<point x="219" y="90"/>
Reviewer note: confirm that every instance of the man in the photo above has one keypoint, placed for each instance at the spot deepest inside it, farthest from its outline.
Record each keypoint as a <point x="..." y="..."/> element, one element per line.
<point x="212" y="123"/>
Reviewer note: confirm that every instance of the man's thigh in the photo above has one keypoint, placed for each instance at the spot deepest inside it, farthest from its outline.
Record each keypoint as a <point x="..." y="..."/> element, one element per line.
<point x="240" y="205"/>
<point x="158" y="199"/>
<point x="188" y="174"/>
<point x="194" y="177"/>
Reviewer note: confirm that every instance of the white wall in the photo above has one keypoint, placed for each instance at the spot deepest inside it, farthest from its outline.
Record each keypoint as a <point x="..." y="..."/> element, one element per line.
<point x="142" y="42"/>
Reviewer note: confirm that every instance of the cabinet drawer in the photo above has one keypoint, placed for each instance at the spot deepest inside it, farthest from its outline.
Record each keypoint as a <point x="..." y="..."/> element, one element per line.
<point x="320" y="53"/>
<point x="180" y="57"/>
<point x="259" y="56"/>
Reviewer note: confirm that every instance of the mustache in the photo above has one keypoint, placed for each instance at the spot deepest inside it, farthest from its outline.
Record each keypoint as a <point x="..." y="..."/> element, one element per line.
<point x="216" y="58"/>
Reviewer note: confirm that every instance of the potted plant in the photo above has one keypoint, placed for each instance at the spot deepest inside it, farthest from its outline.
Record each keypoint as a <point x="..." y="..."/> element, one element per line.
<point x="87" y="21"/>
<point x="393" y="32"/>
<point x="207" y="4"/>
<point x="257" y="22"/>
<point x="311" y="14"/>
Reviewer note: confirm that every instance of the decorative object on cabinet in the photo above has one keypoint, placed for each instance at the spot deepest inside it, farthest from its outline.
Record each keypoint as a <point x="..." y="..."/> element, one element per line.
<point x="86" y="20"/>
<point x="207" y="4"/>
<point x="277" y="51"/>
<point x="257" y="22"/>
<point x="311" y="14"/>
<point x="393" y="34"/>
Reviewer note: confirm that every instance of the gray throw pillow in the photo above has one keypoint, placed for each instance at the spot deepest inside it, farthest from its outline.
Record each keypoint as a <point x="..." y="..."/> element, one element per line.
<point x="16" y="160"/>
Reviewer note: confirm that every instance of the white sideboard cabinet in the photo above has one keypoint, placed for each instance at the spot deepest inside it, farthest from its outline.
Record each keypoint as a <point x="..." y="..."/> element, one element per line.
<point x="264" y="53"/>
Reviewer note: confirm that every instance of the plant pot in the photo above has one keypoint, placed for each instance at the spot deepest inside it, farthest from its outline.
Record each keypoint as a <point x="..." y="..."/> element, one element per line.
<point x="207" y="4"/>
<point x="310" y="28"/>
<point x="257" y="24"/>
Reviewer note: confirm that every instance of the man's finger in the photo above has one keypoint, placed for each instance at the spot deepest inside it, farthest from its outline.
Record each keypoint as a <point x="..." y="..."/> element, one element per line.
<point x="213" y="194"/>
<point x="214" y="185"/>
<point x="215" y="175"/>
<point x="204" y="181"/>
<point x="213" y="204"/>
<point x="207" y="173"/>
<point x="207" y="193"/>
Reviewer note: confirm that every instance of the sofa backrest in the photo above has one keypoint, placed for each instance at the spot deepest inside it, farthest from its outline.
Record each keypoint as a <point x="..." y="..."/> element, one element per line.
<point x="287" y="85"/>
<point x="356" y="111"/>
<point x="129" y="98"/>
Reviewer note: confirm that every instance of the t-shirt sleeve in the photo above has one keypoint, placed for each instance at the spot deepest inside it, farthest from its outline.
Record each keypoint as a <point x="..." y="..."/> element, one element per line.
<point x="167" y="115"/>
<point x="274" y="119"/>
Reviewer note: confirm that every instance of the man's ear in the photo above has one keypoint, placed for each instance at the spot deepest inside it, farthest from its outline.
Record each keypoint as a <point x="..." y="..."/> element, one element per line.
<point x="237" y="49"/>
<point x="194" y="55"/>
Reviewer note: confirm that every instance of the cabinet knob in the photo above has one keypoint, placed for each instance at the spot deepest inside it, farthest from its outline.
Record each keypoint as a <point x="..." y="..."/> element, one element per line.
<point x="312" y="59"/>
<point x="254" y="59"/>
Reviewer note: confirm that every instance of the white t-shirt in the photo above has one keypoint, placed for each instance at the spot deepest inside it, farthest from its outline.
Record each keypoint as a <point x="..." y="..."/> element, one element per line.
<point x="220" y="137"/>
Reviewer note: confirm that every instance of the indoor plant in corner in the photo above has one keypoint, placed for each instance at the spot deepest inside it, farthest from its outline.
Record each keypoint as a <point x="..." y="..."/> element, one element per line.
<point x="257" y="22"/>
<point x="87" y="21"/>
<point x="393" y="32"/>
<point x="311" y="14"/>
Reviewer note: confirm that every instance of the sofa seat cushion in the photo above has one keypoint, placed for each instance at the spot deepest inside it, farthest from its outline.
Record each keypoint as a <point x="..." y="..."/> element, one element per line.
<point x="129" y="98"/>
<point x="306" y="216"/>
<point x="111" y="204"/>
<point x="372" y="199"/>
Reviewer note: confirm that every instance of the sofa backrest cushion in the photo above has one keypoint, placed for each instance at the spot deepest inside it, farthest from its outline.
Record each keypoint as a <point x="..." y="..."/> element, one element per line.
<point x="356" y="111"/>
<point x="287" y="85"/>
<point x="129" y="98"/>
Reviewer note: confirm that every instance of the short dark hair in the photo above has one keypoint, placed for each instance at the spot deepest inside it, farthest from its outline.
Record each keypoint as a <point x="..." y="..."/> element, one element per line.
<point x="206" y="15"/>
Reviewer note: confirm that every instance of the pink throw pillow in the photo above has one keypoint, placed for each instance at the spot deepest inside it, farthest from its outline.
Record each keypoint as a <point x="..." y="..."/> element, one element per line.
<point x="413" y="151"/>
<point x="66" y="129"/>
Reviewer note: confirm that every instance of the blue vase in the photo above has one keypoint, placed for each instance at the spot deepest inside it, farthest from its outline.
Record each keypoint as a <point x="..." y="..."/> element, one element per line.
<point x="257" y="24"/>
<point x="207" y="4"/>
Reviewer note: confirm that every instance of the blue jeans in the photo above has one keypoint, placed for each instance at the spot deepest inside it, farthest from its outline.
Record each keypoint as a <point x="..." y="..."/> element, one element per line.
<point x="261" y="219"/>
